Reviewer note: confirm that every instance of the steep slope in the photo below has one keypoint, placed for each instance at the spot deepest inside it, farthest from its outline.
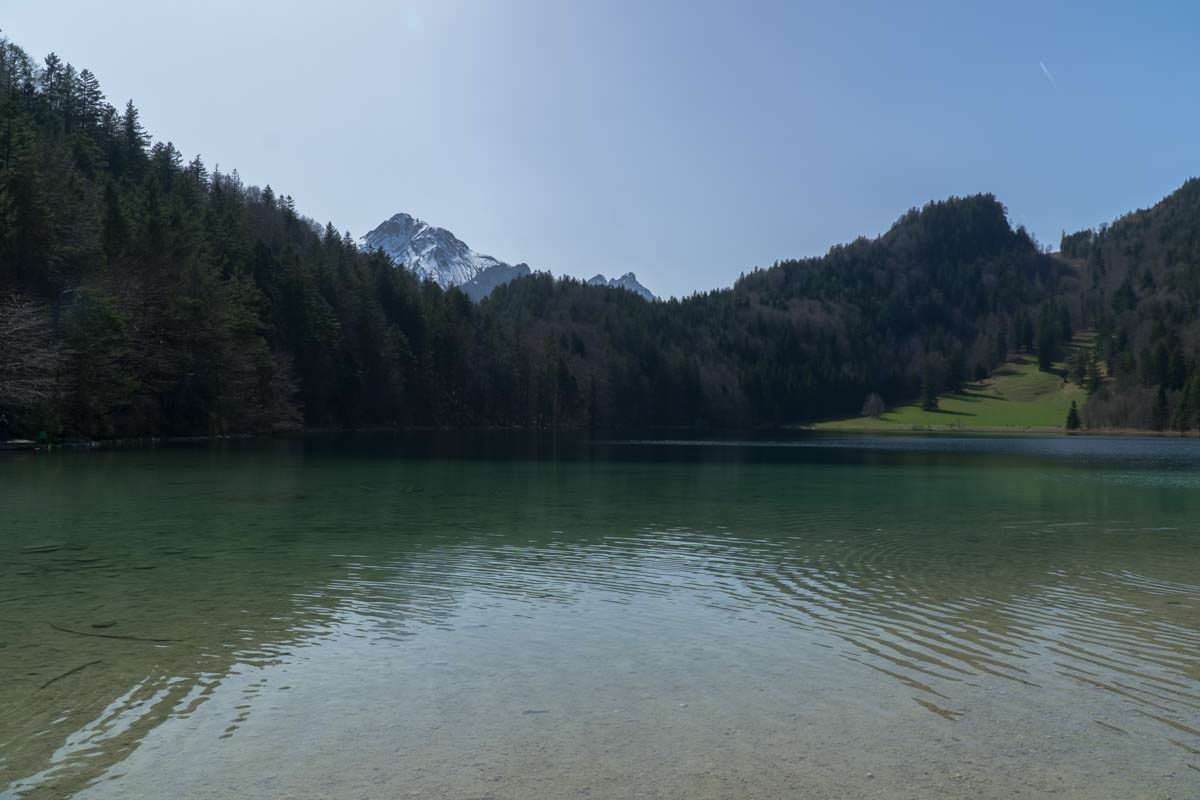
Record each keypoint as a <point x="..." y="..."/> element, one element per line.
<point x="432" y="253"/>
<point x="1016" y="397"/>
<point x="436" y="254"/>
<point x="1142" y="294"/>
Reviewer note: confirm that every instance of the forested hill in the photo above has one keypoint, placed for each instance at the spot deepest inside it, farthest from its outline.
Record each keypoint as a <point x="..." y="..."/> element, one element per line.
<point x="1141" y="278"/>
<point x="938" y="299"/>
<point x="143" y="294"/>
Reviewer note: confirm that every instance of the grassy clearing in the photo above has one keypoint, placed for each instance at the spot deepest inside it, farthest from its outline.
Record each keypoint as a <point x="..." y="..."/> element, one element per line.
<point x="1015" y="397"/>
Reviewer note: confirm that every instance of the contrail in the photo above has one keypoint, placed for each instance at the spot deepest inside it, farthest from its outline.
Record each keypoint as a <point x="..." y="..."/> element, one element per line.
<point x="1049" y="76"/>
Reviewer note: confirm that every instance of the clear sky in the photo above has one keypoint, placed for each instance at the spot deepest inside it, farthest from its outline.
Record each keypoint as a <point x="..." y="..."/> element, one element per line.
<point x="686" y="141"/>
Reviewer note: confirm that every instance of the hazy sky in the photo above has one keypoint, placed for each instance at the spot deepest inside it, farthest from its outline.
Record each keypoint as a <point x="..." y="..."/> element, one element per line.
<point x="686" y="141"/>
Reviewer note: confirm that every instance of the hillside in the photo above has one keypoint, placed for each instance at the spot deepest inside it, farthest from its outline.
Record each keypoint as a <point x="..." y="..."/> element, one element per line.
<point x="1017" y="396"/>
<point x="937" y="297"/>
<point x="146" y="295"/>
<point x="1141" y="281"/>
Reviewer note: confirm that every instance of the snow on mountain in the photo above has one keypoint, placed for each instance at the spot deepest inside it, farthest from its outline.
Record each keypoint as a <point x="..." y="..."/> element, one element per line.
<point x="437" y="254"/>
<point x="433" y="253"/>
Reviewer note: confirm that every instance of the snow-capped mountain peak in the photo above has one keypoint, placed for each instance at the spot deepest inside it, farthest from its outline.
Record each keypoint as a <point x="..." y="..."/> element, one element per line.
<point x="433" y="253"/>
<point x="437" y="254"/>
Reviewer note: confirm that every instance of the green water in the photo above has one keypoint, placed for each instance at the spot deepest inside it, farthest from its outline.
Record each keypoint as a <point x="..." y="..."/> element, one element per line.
<point x="395" y="617"/>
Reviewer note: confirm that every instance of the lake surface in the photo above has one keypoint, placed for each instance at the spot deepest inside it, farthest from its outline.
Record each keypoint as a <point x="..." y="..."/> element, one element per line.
<point x="399" y="616"/>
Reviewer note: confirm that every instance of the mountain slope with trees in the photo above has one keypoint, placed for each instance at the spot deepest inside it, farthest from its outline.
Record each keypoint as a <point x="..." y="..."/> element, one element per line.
<point x="144" y="295"/>
<point x="1141" y="292"/>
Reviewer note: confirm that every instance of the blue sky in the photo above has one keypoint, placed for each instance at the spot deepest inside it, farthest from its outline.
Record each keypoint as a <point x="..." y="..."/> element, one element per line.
<point x="686" y="141"/>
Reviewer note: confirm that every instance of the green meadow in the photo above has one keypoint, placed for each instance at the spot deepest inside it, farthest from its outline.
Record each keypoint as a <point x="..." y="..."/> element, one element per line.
<point x="1016" y="396"/>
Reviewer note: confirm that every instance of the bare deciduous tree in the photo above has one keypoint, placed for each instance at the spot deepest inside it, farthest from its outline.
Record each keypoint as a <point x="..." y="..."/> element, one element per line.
<point x="30" y="358"/>
<point x="873" y="406"/>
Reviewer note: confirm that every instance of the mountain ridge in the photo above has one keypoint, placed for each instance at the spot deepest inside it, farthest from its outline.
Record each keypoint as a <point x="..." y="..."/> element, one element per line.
<point x="437" y="254"/>
<point x="431" y="252"/>
<point x="628" y="282"/>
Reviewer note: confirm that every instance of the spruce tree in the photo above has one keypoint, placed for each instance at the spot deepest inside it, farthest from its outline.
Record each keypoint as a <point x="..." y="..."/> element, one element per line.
<point x="1094" y="378"/>
<point x="1073" y="422"/>
<point x="929" y="388"/>
<point x="1159" y="416"/>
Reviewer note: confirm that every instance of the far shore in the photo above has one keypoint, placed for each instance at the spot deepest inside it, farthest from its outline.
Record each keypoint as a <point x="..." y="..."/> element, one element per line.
<point x="1011" y="430"/>
<point x="26" y="445"/>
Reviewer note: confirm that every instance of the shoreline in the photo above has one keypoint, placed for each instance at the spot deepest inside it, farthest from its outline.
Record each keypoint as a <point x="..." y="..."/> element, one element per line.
<point x="152" y="442"/>
<point x="1003" y="430"/>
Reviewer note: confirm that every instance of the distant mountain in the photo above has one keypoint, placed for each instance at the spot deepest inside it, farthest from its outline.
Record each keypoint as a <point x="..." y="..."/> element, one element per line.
<point x="432" y="253"/>
<point x="438" y="255"/>
<point x="482" y="284"/>
<point x="628" y="281"/>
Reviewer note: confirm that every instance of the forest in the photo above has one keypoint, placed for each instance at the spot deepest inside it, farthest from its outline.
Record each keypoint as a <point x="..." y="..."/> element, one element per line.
<point x="143" y="294"/>
<point x="1141" y="292"/>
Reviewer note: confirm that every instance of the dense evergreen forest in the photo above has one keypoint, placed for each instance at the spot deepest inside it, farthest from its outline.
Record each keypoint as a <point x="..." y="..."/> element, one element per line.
<point x="143" y="294"/>
<point x="1141" y="292"/>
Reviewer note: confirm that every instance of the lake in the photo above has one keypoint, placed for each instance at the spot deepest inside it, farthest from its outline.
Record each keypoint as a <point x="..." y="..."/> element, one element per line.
<point x="467" y="617"/>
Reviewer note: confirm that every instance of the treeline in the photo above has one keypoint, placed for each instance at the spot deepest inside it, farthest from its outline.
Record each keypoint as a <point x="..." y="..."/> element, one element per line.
<point x="145" y="294"/>
<point x="1141" y="292"/>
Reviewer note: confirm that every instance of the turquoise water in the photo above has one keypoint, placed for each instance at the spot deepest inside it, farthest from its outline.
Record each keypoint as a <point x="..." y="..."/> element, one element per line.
<point x="488" y="617"/>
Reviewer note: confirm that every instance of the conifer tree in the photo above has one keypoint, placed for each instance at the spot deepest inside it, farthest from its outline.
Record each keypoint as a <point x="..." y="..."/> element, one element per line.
<point x="1073" y="422"/>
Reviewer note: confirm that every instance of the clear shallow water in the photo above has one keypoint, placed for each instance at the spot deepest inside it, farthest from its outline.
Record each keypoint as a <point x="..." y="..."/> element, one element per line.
<point x="391" y="617"/>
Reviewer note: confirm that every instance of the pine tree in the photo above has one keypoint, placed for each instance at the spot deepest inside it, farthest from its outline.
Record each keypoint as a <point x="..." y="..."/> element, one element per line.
<point x="1001" y="354"/>
<point x="131" y="149"/>
<point x="1160" y="415"/>
<point x="1045" y="349"/>
<point x="929" y="387"/>
<point x="1176" y="369"/>
<point x="1188" y="410"/>
<point x="1094" y="377"/>
<point x="1073" y="422"/>
<point x="1064" y="325"/>
<point x="26" y="214"/>
<point x="91" y="101"/>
